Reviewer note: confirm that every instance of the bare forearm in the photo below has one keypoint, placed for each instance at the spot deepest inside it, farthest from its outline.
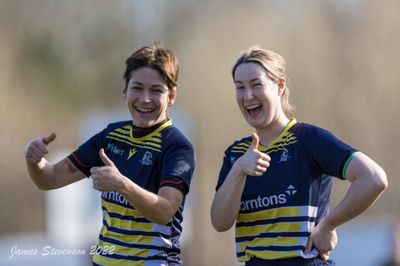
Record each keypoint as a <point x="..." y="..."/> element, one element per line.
<point x="49" y="176"/>
<point x="152" y="206"/>
<point x="226" y="204"/>
<point x="361" y="195"/>
<point x="41" y="174"/>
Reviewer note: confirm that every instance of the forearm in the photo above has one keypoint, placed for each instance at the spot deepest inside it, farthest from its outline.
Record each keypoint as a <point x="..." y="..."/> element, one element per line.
<point x="362" y="194"/>
<point x="226" y="204"/>
<point x="41" y="173"/>
<point x="152" y="206"/>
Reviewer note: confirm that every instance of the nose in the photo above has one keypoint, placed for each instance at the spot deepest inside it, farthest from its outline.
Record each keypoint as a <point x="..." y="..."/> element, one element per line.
<point x="248" y="93"/>
<point x="145" y="96"/>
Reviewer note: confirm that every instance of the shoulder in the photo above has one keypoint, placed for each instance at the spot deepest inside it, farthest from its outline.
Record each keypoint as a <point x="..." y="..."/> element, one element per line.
<point x="173" y="136"/>
<point x="240" y="145"/>
<point x="308" y="130"/>
<point x="120" y="124"/>
<point x="103" y="131"/>
<point x="120" y="128"/>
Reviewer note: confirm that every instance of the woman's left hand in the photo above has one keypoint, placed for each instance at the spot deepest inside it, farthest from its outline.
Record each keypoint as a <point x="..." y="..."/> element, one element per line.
<point x="107" y="177"/>
<point x="322" y="238"/>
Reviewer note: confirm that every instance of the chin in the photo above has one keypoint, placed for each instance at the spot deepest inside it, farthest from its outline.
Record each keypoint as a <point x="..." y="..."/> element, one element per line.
<point x="254" y="122"/>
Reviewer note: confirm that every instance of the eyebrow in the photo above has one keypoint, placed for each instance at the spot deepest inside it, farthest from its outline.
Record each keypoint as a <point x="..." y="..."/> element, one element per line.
<point x="137" y="83"/>
<point x="152" y="86"/>
<point x="252" y="80"/>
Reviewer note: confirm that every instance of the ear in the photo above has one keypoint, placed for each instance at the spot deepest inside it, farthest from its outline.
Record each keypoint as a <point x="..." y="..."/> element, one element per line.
<point x="281" y="86"/>
<point x="171" y="96"/>
<point x="124" y="92"/>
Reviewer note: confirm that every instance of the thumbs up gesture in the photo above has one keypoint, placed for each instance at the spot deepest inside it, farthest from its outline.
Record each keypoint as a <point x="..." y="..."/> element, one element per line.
<point x="254" y="162"/>
<point x="38" y="148"/>
<point x="255" y="142"/>
<point x="107" y="177"/>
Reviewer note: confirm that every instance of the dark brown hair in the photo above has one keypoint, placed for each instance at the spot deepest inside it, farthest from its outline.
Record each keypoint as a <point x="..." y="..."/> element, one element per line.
<point x="156" y="57"/>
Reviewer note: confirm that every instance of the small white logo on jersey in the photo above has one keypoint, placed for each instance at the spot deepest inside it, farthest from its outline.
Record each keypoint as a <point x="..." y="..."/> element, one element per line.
<point x="147" y="158"/>
<point x="114" y="149"/>
<point x="291" y="190"/>
<point x="284" y="156"/>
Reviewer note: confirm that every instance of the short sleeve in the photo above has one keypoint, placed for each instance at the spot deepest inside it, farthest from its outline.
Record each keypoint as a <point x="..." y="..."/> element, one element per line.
<point x="327" y="153"/>
<point x="178" y="165"/>
<point x="87" y="155"/>
<point x="225" y="168"/>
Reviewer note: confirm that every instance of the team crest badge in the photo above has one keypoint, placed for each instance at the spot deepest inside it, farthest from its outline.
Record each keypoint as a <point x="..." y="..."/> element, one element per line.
<point x="147" y="158"/>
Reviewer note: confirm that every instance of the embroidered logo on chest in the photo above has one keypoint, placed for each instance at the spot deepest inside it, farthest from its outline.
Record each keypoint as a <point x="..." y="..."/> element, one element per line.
<point x="284" y="156"/>
<point x="147" y="158"/>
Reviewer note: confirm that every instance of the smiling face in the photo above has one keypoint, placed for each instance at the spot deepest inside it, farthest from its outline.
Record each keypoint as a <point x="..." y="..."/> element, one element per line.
<point x="257" y="95"/>
<point x="148" y="97"/>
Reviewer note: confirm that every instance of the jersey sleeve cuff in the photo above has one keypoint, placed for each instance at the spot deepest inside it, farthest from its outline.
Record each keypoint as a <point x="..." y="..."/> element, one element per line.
<point x="348" y="159"/>
<point x="177" y="183"/>
<point x="78" y="164"/>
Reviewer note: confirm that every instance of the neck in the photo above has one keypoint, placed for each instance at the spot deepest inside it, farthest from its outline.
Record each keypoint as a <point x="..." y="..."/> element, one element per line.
<point x="138" y="132"/>
<point x="273" y="130"/>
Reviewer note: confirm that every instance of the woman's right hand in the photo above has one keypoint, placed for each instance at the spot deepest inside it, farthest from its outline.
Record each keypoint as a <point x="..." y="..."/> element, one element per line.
<point x="38" y="148"/>
<point x="254" y="162"/>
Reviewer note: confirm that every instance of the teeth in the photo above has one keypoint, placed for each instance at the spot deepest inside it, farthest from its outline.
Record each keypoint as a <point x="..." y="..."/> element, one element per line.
<point x="253" y="106"/>
<point x="144" y="110"/>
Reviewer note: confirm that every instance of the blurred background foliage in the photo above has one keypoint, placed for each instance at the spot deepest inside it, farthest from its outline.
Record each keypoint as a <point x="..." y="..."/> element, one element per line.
<point x="62" y="59"/>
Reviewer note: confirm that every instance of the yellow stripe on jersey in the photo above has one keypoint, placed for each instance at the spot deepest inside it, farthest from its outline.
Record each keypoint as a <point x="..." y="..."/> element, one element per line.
<point x="284" y="139"/>
<point x="284" y="133"/>
<point x="281" y="146"/>
<point x="138" y="239"/>
<point x="155" y="133"/>
<point x="239" y="149"/>
<point x="276" y="227"/>
<point x="150" y="141"/>
<point x="270" y="214"/>
<point x="268" y="255"/>
<point x="128" y="225"/>
<point x="126" y="251"/>
<point x="134" y="145"/>
<point x="112" y="207"/>
<point x="252" y="235"/>
<point x="122" y="130"/>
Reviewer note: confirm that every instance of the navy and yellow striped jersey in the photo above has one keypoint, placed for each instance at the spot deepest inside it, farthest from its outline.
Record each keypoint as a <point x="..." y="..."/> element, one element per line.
<point x="162" y="157"/>
<point x="279" y="209"/>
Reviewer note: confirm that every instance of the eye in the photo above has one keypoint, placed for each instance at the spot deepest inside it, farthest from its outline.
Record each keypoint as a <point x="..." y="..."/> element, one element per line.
<point x="239" y="87"/>
<point x="136" y="88"/>
<point x="258" y="85"/>
<point x="157" y="90"/>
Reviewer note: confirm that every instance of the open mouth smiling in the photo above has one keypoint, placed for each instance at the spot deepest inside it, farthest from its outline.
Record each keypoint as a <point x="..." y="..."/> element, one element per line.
<point x="143" y="110"/>
<point x="253" y="109"/>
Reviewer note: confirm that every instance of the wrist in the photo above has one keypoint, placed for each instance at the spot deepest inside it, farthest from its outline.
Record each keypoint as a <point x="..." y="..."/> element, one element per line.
<point x="238" y="169"/>
<point x="125" y="186"/>
<point x="327" y="225"/>
<point x="34" y="165"/>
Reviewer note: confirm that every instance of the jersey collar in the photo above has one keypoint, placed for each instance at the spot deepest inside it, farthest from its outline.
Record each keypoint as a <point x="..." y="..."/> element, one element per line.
<point x="282" y="135"/>
<point x="156" y="131"/>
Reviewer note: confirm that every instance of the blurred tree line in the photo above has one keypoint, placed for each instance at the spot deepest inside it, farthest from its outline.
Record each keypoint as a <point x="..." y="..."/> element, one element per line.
<point x="62" y="59"/>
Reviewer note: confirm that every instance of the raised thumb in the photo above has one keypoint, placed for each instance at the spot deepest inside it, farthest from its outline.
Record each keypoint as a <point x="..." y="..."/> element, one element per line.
<point x="105" y="158"/>
<point x="255" y="141"/>
<point x="46" y="140"/>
